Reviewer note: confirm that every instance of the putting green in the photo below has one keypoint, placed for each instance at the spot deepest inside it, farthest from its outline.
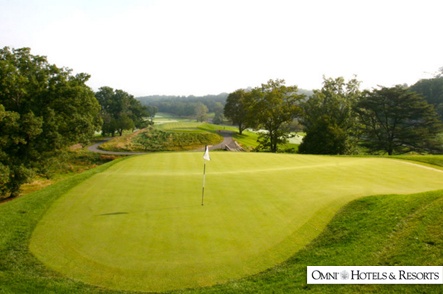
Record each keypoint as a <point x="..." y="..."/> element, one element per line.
<point x="140" y="224"/>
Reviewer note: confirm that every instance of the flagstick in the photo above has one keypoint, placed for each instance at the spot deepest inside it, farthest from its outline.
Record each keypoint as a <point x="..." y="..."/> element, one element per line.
<point x="203" y="189"/>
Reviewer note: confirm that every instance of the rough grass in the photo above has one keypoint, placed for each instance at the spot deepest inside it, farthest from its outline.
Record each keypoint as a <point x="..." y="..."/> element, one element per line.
<point x="180" y="137"/>
<point x="64" y="165"/>
<point x="139" y="225"/>
<point x="180" y="126"/>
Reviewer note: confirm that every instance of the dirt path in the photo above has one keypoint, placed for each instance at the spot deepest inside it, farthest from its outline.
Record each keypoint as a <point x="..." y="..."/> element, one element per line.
<point x="227" y="141"/>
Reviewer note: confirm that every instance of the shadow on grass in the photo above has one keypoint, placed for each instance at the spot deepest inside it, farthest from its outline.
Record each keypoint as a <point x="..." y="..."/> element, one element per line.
<point x="147" y="210"/>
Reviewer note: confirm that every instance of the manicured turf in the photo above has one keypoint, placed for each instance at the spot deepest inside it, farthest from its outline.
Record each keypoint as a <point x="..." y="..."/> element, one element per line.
<point x="140" y="226"/>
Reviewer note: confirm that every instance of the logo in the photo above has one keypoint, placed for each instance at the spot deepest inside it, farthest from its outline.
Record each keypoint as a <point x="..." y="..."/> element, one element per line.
<point x="375" y="275"/>
<point x="344" y="275"/>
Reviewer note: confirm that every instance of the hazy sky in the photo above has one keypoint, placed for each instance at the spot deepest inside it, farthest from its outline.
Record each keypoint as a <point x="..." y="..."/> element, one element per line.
<point x="184" y="47"/>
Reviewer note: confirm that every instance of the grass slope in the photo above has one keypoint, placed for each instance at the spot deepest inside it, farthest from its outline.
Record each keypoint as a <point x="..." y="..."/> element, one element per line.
<point x="358" y="235"/>
<point x="20" y="272"/>
<point x="139" y="225"/>
<point x="435" y="161"/>
<point x="384" y="230"/>
<point x="156" y="139"/>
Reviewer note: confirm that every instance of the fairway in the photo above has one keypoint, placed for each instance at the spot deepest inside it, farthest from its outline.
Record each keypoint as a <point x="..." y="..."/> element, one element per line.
<point x="140" y="225"/>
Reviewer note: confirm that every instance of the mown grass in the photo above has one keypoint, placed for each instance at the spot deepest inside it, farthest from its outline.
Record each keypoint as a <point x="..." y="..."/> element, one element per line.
<point x="375" y="230"/>
<point x="248" y="139"/>
<point x="165" y="117"/>
<point x="428" y="159"/>
<point x="144" y="213"/>
<point x="384" y="230"/>
<point x="20" y="271"/>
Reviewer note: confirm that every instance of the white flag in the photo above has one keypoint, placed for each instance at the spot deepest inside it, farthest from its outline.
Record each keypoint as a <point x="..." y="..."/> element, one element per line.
<point x="206" y="156"/>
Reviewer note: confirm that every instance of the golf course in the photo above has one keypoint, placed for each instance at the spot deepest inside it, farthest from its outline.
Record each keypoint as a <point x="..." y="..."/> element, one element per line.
<point x="139" y="225"/>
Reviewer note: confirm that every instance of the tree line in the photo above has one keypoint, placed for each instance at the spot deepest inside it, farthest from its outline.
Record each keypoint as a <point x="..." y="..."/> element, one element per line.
<point x="196" y="107"/>
<point x="342" y="119"/>
<point x="44" y="109"/>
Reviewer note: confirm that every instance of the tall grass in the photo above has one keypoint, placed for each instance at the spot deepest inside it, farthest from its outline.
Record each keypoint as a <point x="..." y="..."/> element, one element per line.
<point x="166" y="137"/>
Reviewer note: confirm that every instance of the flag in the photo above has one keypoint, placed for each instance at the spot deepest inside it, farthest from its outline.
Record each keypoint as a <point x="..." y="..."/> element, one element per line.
<point x="206" y="156"/>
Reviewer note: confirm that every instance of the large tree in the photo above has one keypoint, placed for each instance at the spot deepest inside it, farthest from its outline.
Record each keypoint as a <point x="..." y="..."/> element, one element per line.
<point x="272" y="107"/>
<point x="43" y="109"/>
<point x="396" y="120"/>
<point x="120" y="111"/>
<point x="328" y="119"/>
<point x="235" y="109"/>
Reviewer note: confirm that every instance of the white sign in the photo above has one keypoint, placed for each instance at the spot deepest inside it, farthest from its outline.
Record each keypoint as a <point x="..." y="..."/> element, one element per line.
<point x="375" y="275"/>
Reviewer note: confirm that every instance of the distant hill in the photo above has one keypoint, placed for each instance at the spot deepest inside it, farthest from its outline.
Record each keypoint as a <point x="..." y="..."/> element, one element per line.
<point x="186" y="105"/>
<point x="145" y="100"/>
<point x="148" y="100"/>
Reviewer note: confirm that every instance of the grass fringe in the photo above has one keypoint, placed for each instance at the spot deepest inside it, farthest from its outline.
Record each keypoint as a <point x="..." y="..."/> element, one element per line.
<point x="374" y="230"/>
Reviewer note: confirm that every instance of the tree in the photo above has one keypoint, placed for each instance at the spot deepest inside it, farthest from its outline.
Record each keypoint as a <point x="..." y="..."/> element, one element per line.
<point x="272" y="107"/>
<point x="201" y="112"/>
<point x="432" y="91"/>
<point x="235" y="109"/>
<point x="184" y="106"/>
<point x="124" y="122"/>
<point x="395" y="120"/>
<point x="152" y="110"/>
<point x="120" y="111"/>
<point x="328" y="118"/>
<point x="138" y="114"/>
<point x="43" y="109"/>
<point x="218" y="107"/>
<point x="218" y="117"/>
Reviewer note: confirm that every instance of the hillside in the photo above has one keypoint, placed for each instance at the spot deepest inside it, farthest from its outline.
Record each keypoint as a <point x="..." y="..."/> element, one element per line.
<point x="374" y="230"/>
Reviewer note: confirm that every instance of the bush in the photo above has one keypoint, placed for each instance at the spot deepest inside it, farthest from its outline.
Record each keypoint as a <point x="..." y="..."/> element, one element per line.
<point x="106" y="158"/>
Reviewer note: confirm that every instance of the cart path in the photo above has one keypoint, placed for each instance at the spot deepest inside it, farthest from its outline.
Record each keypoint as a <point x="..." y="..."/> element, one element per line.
<point x="94" y="148"/>
<point x="227" y="141"/>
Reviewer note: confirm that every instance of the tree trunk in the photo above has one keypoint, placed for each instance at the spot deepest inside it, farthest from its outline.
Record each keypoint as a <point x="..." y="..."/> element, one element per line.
<point x="273" y="139"/>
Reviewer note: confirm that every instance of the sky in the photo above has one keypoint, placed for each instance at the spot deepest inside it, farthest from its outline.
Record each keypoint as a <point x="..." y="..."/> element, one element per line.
<point x="200" y="47"/>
